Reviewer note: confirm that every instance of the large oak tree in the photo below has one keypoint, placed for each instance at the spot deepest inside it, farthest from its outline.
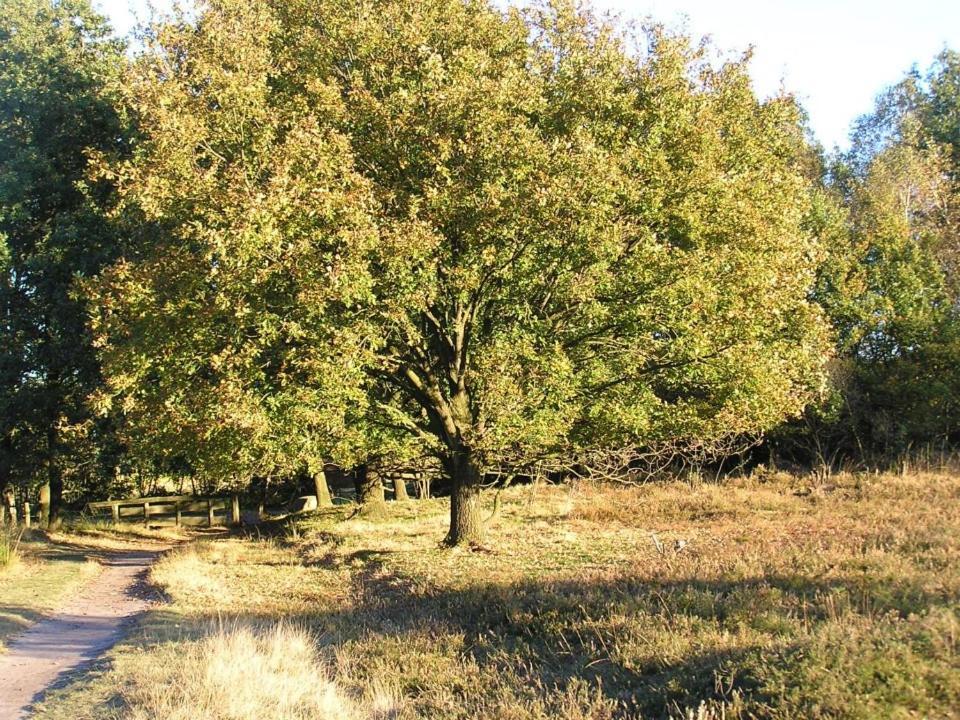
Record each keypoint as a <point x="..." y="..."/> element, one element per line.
<point x="498" y="233"/>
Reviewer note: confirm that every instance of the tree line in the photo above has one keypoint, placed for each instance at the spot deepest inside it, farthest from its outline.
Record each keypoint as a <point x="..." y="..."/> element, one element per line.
<point x="277" y="236"/>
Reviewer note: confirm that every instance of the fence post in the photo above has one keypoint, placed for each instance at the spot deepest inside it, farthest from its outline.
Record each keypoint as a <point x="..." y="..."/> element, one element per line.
<point x="26" y="514"/>
<point x="146" y="513"/>
<point x="177" y="506"/>
<point x="12" y="511"/>
<point x="235" y="510"/>
<point x="209" y="512"/>
<point x="423" y="486"/>
<point x="115" y="512"/>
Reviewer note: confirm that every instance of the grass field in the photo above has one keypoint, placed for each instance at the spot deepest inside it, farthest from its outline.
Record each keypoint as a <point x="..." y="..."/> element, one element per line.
<point x="759" y="598"/>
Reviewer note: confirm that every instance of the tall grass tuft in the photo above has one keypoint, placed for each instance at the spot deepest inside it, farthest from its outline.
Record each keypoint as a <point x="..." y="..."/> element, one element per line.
<point x="9" y="546"/>
<point x="238" y="672"/>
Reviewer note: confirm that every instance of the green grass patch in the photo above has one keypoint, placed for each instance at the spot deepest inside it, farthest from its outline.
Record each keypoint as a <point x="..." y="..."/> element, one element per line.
<point x="42" y="580"/>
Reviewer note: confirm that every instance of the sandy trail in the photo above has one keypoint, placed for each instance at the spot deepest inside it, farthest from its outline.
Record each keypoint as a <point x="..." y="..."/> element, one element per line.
<point x="80" y="632"/>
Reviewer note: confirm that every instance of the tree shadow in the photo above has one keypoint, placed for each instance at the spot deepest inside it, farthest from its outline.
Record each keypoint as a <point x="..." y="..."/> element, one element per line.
<point x="14" y="619"/>
<point x="553" y="634"/>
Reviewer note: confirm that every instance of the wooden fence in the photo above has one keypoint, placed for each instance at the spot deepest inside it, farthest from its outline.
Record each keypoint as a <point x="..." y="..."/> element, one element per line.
<point x="178" y="509"/>
<point x="402" y="477"/>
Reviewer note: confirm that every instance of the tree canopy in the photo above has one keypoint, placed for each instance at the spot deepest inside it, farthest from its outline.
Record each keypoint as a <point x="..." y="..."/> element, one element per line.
<point x="284" y="235"/>
<point x="889" y="282"/>
<point x="58" y="69"/>
<point x="487" y="235"/>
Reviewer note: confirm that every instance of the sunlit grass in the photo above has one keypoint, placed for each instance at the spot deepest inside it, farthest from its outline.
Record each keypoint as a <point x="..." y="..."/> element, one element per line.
<point x="93" y="532"/>
<point x="9" y="546"/>
<point x="39" y="581"/>
<point x="240" y="672"/>
<point x="762" y="598"/>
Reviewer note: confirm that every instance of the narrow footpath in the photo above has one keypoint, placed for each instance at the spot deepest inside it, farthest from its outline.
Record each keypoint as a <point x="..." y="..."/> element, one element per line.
<point x="48" y="652"/>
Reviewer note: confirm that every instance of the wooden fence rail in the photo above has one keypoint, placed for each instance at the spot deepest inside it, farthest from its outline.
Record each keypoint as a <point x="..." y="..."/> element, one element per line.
<point x="181" y="509"/>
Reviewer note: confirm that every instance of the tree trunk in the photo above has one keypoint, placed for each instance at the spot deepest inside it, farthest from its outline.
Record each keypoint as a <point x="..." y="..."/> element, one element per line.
<point x="423" y="486"/>
<point x="54" y="481"/>
<point x="400" y="488"/>
<point x="262" y="507"/>
<point x="56" y="495"/>
<point x="8" y="505"/>
<point x="322" y="489"/>
<point x="466" y="525"/>
<point x="369" y="487"/>
<point x="44" y="505"/>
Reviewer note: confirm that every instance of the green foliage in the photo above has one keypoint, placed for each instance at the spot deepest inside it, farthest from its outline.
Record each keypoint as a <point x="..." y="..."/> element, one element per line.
<point x="499" y="234"/>
<point x="230" y="335"/>
<point x="614" y="241"/>
<point x="57" y="66"/>
<point x="889" y="283"/>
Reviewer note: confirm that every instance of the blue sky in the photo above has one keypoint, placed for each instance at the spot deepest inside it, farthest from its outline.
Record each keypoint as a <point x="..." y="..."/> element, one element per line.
<point x="835" y="55"/>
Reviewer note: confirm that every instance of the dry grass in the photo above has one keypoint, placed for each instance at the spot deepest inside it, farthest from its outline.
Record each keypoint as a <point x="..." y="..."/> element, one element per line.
<point x="239" y="672"/>
<point x="9" y="546"/>
<point x="105" y="535"/>
<point x="255" y="578"/>
<point x="762" y="598"/>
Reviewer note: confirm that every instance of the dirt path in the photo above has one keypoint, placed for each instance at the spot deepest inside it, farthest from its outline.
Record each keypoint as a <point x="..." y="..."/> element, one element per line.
<point x="80" y="632"/>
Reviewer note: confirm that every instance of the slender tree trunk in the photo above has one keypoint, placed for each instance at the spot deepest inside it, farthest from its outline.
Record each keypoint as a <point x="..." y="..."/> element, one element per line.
<point x="400" y="488"/>
<point x="262" y="507"/>
<point x="323" y="490"/>
<point x="45" y="505"/>
<point x="466" y="524"/>
<point x="6" y="504"/>
<point x="10" y="504"/>
<point x="423" y="486"/>
<point x="369" y="487"/>
<point x="55" y="480"/>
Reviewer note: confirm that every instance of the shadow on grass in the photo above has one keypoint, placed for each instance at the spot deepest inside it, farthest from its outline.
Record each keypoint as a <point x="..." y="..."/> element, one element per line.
<point x="14" y="619"/>
<point x="612" y="634"/>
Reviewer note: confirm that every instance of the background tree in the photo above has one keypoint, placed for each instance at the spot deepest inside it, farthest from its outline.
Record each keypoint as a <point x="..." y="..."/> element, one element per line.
<point x="889" y="281"/>
<point x="58" y="65"/>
